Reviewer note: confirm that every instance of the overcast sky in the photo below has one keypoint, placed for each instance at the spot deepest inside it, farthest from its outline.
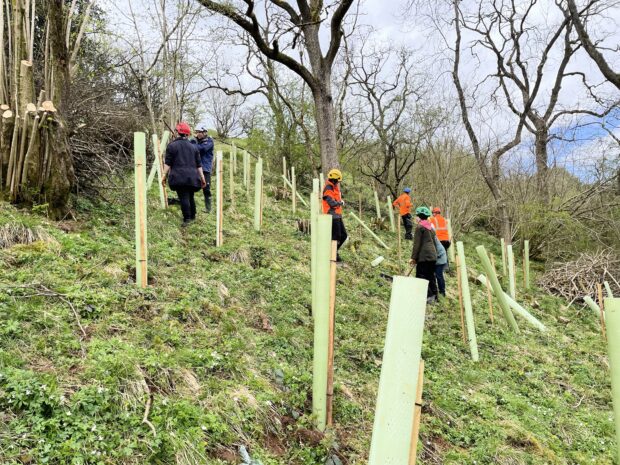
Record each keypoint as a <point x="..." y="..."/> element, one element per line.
<point x="395" y="26"/>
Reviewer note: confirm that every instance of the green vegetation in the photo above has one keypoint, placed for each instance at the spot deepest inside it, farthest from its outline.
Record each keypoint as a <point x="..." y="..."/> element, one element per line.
<point x="220" y="349"/>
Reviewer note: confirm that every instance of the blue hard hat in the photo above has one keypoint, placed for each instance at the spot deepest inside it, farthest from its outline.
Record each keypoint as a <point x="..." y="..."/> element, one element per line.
<point x="406" y="190"/>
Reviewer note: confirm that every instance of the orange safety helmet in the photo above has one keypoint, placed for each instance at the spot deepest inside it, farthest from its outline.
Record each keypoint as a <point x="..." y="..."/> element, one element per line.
<point x="436" y="210"/>
<point x="183" y="128"/>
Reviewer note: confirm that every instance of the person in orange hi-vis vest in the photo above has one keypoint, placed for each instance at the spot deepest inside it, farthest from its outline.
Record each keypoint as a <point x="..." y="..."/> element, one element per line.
<point x="441" y="228"/>
<point x="332" y="205"/>
<point x="403" y="202"/>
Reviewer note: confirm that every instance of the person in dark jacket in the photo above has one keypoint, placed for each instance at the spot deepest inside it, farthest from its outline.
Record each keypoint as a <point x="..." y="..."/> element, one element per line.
<point x="332" y="205"/>
<point x="205" y="146"/>
<point x="424" y="253"/>
<point x="183" y="170"/>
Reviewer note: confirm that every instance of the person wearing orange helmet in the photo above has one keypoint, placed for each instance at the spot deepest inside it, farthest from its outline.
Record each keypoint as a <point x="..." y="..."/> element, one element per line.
<point x="183" y="171"/>
<point x="441" y="228"/>
<point x="332" y="205"/>
<point x="403" y="202"/>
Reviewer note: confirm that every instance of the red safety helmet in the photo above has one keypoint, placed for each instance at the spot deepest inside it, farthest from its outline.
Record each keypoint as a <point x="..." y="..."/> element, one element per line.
<point x="183" y="128"/>
<point x="436" y="210"/>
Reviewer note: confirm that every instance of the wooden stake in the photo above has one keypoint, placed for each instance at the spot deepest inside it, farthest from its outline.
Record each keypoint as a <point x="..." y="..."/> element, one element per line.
<point x="490" y="299"/>
<point x="140" y="209"/>
<point x="284" y="170"/>
<point x="258" y="195"/>
<point x="460" y="290"/>
<point x="297" y="194"/>
<point x="219" y="198"/>
<point x="369" y="230"/>
<point x="332" y="322"/>
<point x="417" y="417"/>
<point x="601" y="304"/>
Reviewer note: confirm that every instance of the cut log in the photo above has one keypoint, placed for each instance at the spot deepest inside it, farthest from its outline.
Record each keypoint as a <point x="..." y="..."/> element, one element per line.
<point x="4" y="107"/>
<point x="31" y="108"/>
<point x="48" y="106"/>
<point x="7" y="114"/>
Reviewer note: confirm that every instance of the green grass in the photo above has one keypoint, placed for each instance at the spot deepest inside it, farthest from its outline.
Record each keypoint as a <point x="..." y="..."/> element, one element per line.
<point x="222" y="343"/>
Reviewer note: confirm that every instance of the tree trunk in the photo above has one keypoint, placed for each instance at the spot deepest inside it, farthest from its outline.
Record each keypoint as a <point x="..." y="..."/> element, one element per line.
<point x="542" y="162"/>
<point x="326" y="126"/>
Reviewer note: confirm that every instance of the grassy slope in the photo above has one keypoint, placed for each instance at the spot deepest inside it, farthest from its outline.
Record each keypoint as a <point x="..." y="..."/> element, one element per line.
<point x="222" y="341"/>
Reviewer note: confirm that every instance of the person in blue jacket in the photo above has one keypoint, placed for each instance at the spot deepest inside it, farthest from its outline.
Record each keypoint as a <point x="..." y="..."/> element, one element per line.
<point x="205" y="147"/>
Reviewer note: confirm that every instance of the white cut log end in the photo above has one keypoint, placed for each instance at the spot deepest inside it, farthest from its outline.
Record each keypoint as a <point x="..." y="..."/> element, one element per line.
<point x="31" y="108"/>
<point x="48" y="106"/>
<point x="7" y="114"/>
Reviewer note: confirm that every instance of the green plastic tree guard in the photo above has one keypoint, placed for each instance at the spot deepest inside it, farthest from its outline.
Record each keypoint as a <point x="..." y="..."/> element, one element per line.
<point x="592" y="305"/>
<point x="516" y="308"/>
<point x="298" y="195"/>
<point x="321" y="320"/>
<point x="156" y="168"/>
<point x="245" y="168"/>
<point x="284" y="171"/>
<point x="451" y="250"/>
<point x="377" y="238"/>
<point x="608" y="289"/>
<point x="394" y="413"/>
<point x="497" y="288"/>
<point x="503" y="245"/>
<point x="294" y="189"/>
<point x="258" y="195"/>
<point x="526" y="258"/>
<point x="377" y="205"/>
<point x="139" y="144"/>
<point x="231" y="178"/>
<point x="512" y="284"/>
<point x="249" y="175"/>
<point x="390" y="209"/>
<point x="612" y="308"/>
<point x="469" y="313"/>
<point x="314" y="215"/>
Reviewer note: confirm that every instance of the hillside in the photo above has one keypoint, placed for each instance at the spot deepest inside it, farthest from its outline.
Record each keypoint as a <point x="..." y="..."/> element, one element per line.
<point x="219" y="350"/>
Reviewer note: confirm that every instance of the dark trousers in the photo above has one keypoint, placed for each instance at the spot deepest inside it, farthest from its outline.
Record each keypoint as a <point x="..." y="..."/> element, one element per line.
<point x="446" y="245"/>
<point x="426" y="270"/>
<point x="339" y="232"/>
<point x="408" y="224"/>
<point x="207" y="190"/>
<point x="441" y="282"/>
<point x="188" y="206"/>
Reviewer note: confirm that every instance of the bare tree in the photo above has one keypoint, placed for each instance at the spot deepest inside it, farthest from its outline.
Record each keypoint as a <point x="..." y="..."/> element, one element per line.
<point x="302" y="24"/>
<point x="579" y="18"/>
<point x="225" y="112"/>
<point x="488" y="158"/>
<point x="525" y="56"/>
<point x="399" y="118"/>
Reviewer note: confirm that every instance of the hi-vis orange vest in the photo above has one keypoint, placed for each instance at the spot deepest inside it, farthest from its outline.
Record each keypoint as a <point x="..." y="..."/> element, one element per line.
<point x="332" y="199"/>
<point x="441" y="227"/>
<point x="403" y="202"/>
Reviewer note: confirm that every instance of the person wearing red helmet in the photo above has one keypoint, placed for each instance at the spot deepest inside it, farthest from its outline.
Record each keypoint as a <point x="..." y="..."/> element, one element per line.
<point x="183" y="171"/>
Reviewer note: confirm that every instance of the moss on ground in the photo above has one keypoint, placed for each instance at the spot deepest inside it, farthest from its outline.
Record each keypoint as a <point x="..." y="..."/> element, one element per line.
<point x="220" y="348"/>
